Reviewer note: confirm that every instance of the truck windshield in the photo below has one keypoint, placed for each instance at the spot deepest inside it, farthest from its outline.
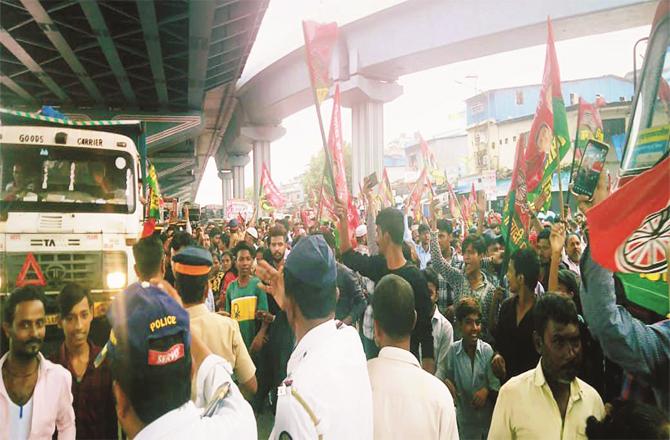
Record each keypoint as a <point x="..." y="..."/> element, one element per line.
<point x="58" y="179"/>
<point x="650" y="126"/>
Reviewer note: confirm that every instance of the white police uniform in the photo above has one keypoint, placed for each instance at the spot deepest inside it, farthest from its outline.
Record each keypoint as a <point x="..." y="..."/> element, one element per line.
<point x="327" y="393"/>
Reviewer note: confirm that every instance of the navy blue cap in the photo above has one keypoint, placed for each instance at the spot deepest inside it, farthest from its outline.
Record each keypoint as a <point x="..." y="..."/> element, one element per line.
<point x="141" y="315"/>
<point x="232" y="223"/>
<point x="192" y="260"/>
<point x="312" y="262"/>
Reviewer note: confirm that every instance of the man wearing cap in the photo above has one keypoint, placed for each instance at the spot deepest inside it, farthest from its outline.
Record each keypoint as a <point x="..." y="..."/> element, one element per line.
<point x="251" y="237"/>
<point x="149" y="351"/>
<point x="236" y="235"/>
<point x="220" y="334"/>
<point x="362" y="240"/>
<point x="327" y="392"/>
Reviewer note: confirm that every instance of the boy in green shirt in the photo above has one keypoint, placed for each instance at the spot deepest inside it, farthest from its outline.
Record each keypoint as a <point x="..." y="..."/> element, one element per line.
<point x="244" y="300"/>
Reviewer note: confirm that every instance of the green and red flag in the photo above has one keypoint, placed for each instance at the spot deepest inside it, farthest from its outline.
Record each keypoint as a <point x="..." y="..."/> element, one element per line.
<point x="516" y="212"/>
<point x="155" y="202"/>
<point x="549" y="141"/>
<point x="319" y="42"/>
<point x="429" y="162"/>
<point x="630" y="230"/>
<point x="589" y="126"/>
<point x="270" y="198"/>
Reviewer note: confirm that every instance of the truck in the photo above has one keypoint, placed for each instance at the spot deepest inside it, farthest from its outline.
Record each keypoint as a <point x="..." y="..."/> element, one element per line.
<point x="70" y="204"/>
<point x="647" y="144"/>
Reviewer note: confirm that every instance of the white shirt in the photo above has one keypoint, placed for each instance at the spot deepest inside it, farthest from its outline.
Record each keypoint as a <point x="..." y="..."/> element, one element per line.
<point x="443" y="337"/>
<point x="526" y="409"/>
<point x="327" y="392"/>
<point x="20" y="418"/>
<point x="424" y="256"/>
<point x="408" y="402"/>
<point x="233" y="419"/>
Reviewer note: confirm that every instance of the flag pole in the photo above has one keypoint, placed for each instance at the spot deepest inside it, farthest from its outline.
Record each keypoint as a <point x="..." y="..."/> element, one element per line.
<point x="560" y="185"/>
<point x="317" y="105"/>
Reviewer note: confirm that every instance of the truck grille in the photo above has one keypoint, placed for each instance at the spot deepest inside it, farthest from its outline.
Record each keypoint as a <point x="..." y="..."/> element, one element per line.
<point x="84" y="268"/>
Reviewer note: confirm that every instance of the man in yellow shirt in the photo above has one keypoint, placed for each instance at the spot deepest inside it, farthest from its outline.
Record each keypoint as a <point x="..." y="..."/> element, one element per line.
<point x="219" y="333"/>
<point x="549" y="402"/>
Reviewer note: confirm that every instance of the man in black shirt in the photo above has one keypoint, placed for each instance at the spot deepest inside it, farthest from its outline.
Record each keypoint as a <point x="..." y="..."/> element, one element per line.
<point x="514" y="332"/>
<point x="390" y="229"/>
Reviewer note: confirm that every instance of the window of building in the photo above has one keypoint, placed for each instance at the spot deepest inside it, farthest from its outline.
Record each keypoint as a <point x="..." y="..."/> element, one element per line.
<point x="574" y="99"/>
<point x="477" y="108"/>
<point x="493" y="145"/>
<point x="506" y="139"/>
<point x="519" y="97"/>
<point x="513" y="138"/>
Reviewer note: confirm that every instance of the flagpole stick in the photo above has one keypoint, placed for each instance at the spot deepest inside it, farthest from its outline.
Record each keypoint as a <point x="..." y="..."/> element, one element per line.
<point x="320" y="205"/>
<point x="317" y="105"/>
<point x="574" y="149"/>
<point x="560" y="191"/>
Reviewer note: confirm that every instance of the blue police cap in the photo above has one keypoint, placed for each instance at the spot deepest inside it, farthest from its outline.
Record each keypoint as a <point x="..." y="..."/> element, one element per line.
<point x="140" y="317"/>
<point x="192" y="260"/>
<point x="312" y="262"/>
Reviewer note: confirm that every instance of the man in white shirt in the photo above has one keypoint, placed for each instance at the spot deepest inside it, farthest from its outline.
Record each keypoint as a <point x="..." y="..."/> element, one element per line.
<point x="549" y="402"/>
<point x="149" y="350"/>
<point x="35" y="394"/>
<point x="327" y="392"/>
<point x="408" y="402"/>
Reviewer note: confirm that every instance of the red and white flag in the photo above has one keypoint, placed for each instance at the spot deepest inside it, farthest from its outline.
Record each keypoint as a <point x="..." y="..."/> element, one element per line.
<point x="270" y="197"/>
<point x="630" y="230"/>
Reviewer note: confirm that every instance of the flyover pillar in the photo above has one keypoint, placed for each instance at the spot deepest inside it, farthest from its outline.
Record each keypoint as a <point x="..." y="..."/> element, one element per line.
<point x="261" y="137"/>
<point x="226" y="186"/>
<point x="366" y="99"/>
<point x="237" y="164"/>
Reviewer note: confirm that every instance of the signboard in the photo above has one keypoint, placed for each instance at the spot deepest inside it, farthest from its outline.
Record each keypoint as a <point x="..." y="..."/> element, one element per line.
<point x="238" y="206"/>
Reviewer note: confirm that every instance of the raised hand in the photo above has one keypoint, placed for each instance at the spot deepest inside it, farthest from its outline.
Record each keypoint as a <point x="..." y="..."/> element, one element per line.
<point x="272" y="282"/>
<point x="557" y="237"/>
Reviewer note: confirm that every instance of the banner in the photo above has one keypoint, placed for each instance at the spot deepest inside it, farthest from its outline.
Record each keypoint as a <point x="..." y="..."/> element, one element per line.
<point x="270" y="198"/>
<point x="319" y="42"/>
<point x="516" y="213"/>
<point x="429" y="162"/>
<point x="548" y="141"/>
<point x="630" y="230"/>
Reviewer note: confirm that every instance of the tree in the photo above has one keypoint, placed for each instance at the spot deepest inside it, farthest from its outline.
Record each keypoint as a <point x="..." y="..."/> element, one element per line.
<point x="311" y="180"/>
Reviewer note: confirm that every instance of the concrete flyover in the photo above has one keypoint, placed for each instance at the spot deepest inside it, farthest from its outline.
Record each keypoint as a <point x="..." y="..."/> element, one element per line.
<point x="412" y="36"/>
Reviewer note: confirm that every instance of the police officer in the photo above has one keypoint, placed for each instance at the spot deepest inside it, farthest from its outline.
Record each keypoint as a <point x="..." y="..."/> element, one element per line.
<point x="149" y="351"/>
<point x="327" y="392"/>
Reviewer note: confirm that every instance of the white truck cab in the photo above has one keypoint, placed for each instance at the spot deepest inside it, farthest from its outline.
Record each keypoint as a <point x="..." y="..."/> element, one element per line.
<point x="70" y="207"/>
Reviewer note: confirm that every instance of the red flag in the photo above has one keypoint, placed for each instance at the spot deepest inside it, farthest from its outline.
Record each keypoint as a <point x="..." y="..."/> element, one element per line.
<point x="337" y="157"/>
<point x="516" y="213"/>
<point x="452" y="197"/>
<point x="589" y="126"/>
<point x="385" y="191"/>
<point x="473" y="195"/>
<point x="270" y="197"/>
<point x="319" y="42"/>
<point x="630" y="230"/>
<point x="414" y="200"/>
<point x="465" y="204"/>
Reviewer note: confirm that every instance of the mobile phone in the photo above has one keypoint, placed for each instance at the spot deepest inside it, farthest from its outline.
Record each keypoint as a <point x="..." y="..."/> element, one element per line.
<point x="371" y="181"/>
<point x="591" y="165"/>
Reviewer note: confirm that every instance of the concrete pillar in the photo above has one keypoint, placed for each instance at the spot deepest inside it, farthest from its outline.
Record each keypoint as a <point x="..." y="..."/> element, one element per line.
<point x="238" y="182"/>
<point x="226" y="177"/>
<point x="367" y="155"/>
<point x="366" y="98"/>
<point x="262" y="136"/>
<point x="237" y="164"/>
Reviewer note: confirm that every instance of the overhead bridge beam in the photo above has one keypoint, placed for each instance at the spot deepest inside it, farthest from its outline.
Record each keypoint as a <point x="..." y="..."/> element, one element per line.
<point x="97" y="22"/>
<point x="176" y="168"/>
<point x="177" y="183"/>
<point x="201" y="16"/>
<point x="50" y="29"/>
<point x="152" y="38"/>
<point x="19" y="52"/>
<point x="11" y="85"/>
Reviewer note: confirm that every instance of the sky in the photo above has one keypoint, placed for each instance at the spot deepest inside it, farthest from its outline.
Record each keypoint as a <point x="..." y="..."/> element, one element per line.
<point x="432" y="101"/>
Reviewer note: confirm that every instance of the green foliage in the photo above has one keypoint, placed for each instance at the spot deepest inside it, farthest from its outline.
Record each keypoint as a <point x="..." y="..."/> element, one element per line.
<point x="311" y="180"/>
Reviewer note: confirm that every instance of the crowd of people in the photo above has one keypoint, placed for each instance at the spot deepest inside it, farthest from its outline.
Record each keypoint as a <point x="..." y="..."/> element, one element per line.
<point x="399" y="329"/>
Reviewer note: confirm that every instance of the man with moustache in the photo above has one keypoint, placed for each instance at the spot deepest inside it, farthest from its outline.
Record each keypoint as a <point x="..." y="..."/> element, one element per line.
<point x="549" y="401"/>
<point x="35" y="396"/>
